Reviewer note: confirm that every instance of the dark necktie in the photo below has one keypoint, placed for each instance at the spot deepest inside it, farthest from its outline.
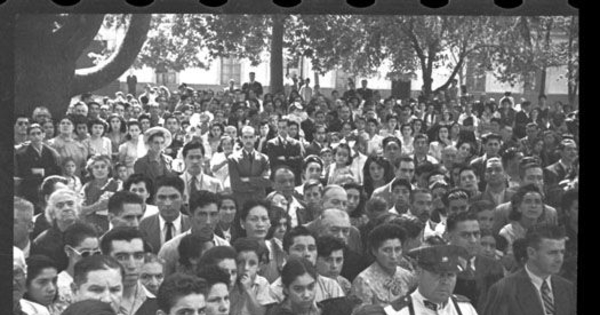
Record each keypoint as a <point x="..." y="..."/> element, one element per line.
<point x="430" y="305"/>
<point x="547" y="299"/>
<point x="470" y="273"/>
<point x="169" y="234"/>
<point x="193" y="186"/>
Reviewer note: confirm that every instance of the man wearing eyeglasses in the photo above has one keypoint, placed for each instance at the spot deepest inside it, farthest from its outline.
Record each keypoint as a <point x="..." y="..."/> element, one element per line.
<point x="81" y="241"/>
<point x="126" y="245"/>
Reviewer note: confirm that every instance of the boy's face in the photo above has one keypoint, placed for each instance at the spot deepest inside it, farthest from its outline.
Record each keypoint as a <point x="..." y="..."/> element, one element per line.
<point x="247" y="265"/>
<point x="486" y="219"/>
<point x="331" y="266"/>
<point x="122" y="172"/>
<point x="488" y="246"/>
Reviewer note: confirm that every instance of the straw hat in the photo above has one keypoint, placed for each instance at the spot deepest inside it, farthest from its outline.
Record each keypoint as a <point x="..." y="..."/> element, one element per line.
<point x="154" y="130"/>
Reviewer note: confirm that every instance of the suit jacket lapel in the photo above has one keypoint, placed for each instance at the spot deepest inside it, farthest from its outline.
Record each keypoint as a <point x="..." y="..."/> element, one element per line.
<point x="156" y="236"/>
<point x="561" y="298"/>
<point x="527" y="295"/>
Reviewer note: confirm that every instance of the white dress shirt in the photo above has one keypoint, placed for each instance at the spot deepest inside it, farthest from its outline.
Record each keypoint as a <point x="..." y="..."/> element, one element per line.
<point x="163" y="228"/>
<point x="537" y="283"/>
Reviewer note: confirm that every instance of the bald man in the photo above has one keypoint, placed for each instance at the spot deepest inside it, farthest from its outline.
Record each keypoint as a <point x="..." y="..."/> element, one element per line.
<point x="336" y="223"/>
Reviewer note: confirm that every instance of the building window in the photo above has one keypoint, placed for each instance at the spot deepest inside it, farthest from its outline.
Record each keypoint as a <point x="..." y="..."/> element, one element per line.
<point x="231" y="69"/>
<point x="166" y="78"/>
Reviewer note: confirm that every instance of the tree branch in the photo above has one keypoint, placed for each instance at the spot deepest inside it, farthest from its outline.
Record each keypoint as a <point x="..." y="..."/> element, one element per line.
<point x="90" y="79"/>
<point x="79" y="33"/>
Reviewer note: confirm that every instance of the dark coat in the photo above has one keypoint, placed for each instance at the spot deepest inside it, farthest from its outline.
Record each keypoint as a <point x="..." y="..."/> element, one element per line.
<point x="150" y="228"/>
<point x="291" y="151"/>
<point x="26" y="159"/>
<point x="516" y="295"/>
<point x="487" y="272"/>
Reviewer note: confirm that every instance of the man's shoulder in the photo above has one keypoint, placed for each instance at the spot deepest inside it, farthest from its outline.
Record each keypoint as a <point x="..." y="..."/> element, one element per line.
<point x="149" y="220"/>
<point x="401" y="303"/>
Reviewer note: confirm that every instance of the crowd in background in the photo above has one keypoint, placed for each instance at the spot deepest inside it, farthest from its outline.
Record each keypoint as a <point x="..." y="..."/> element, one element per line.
<point x="293" y="202"/>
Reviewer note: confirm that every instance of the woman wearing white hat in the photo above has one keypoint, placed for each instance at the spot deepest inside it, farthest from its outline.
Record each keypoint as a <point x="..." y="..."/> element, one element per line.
<point x="155" y="163"/>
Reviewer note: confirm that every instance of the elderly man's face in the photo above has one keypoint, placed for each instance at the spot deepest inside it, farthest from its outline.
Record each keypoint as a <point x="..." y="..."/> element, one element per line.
<point x="336" y="224"/>
<point x="335" y="198"/>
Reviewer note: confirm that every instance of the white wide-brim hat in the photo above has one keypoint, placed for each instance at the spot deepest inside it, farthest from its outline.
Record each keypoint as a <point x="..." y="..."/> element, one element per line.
<point x="158" y="129"/>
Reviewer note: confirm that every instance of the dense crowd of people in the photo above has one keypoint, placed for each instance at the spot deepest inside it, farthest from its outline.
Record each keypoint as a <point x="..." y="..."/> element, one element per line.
<point x="241" y="202"/>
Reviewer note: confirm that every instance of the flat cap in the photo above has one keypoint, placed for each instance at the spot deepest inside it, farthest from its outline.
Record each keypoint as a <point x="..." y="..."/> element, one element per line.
<point x="440" y="258"/>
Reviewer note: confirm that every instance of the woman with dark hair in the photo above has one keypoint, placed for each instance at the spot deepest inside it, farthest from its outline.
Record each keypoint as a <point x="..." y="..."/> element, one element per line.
<point x="454" y="132"/>
<point x="280" y="224"/>
<point x="116" y="132"/>
<point x="218" y="162"/>
<point x="212" y="139"/>
<point x="356" y="204"/>
<point x="377" y="172"/>
<point x="299" y="280"/>
<point x="418" y="126"/>
<point x="134" y="147"/>
<point x="66" y="145"/>
<point x="466" y="152"/>
<point x="442" y="140"/>
<point x="407" y="138"/>
<point x="384" y="280"/>
<point x="527" y="206"/>
<point x="42" y="274"/>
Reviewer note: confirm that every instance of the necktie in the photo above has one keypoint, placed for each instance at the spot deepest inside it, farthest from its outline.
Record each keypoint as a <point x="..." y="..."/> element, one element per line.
<point x="470" y="273"/>
<point x="193" y="186"/>
<point x="430" y="305"/>
<point x="169" y="234"/>
<point x="547" y="299"/>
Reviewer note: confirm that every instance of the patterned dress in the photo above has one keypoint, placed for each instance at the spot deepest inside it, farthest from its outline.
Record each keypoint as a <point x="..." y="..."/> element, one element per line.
<point x="375" y="286"/>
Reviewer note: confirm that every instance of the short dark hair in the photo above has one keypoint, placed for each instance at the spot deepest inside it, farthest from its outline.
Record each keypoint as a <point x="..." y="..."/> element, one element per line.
<point x="326" y="244"/>
<point x="252" y="203"/>
<point x="36" y="264"/>
<point x="454" y="194"/>
<point x="246" y="244"/>
<point x="77" y="233"/>
<point x="296" y="267"/>
<point x="120" y="198"/>
<point x="288" y="238"/>
<point x="481" y="205"/>
<point x="92" y="263"/>
<point x="567" y="199"/>
<point x="313" y="158"/>
<point x="216" y="254"/>
<point x="538" y="232"/>
<point x="413" y="193"/>
<point x="213" y="275"/>
<point x="202" y="199"/>
<point x="454" y="218"/>
<point x="389" y="139"/>
<point x="401" y="182"/>
<point x="177" y="286"/>
<point x="119" y="234"/>
<point x="411" y="225"/>
<point x="226" y="196"/>
<point x="170" y="181"/>
<point x="384" y="232"/>
<point x="98" y="121"/>
<point x="517" y="199"/>
<point x="192" y="145"/>
<point x="137" y="178"/>
<point x="189" y="247"/>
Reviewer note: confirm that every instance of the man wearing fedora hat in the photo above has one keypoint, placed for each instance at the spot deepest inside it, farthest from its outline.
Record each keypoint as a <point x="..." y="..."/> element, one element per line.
<point x="437" y="267"/>
<point x="155" y="163"/>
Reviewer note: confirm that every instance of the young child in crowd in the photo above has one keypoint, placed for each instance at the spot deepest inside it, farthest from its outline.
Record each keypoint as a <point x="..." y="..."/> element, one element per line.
<point x="68" y="172"/>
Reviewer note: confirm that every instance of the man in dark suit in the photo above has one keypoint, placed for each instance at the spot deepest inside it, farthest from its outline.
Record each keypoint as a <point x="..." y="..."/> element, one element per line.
<point x="132" y="84"/>
<point x="481" y="272"/>
<point x="284" y="150"/>
<point x="319" y="141"/>
<point x="522" y="118"/>
<point x="169" y="221"/>
<point x="252" y="85"/>
<point x="536" y="289"/>
<point x="556" y="172"/>
<point x="34" y="161"/>
<point x="249" y="170"/>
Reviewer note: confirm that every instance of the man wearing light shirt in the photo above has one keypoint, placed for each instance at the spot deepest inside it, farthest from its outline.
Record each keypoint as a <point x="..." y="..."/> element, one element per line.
<point x="540" y="290"/>
<point x="193" y="177"/>
<point x="204" y="218"/>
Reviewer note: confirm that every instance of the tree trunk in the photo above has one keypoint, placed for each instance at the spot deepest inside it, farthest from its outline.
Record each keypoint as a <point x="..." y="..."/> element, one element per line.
<point x="90" y="79"/>
<point x="277" y="53"/>
<point x="316" y="75"/>
<point x="45" y="59"/>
